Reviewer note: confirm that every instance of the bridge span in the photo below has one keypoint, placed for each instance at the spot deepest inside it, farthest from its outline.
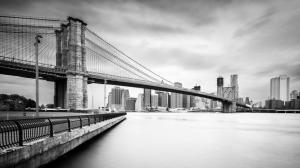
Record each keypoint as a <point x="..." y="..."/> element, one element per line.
<point x="72" y="56"/>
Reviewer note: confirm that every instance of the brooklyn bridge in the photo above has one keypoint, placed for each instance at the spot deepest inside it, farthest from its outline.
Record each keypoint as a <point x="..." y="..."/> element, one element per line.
<point x="72" y="56"/>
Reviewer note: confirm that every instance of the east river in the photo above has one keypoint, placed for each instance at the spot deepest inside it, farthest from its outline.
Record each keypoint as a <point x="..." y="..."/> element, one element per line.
<point x="193" y="140"/>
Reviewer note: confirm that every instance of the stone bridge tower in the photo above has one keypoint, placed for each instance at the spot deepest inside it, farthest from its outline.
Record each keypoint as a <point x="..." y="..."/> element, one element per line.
<point x="71" y="93"/>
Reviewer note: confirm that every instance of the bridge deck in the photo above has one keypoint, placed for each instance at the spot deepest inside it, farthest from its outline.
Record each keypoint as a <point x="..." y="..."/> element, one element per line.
<point x="52" y="73"/>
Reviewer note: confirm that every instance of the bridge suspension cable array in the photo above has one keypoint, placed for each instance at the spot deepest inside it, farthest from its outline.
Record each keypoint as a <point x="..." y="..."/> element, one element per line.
<point x="17" y="37"/>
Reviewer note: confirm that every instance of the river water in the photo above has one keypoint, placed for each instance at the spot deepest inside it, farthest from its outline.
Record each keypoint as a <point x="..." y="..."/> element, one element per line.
<point x="193" y="140"/>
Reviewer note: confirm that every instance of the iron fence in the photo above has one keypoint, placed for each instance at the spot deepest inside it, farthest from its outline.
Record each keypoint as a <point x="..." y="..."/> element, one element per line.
<point x="17" y="132"/>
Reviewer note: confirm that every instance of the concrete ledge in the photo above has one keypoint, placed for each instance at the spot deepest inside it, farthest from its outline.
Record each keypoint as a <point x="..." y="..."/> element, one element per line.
<point x="40" y="152"/>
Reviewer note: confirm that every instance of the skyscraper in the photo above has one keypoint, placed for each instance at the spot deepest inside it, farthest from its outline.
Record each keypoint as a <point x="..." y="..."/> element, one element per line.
<point x="247" y="100"/>
<point x="220" y="84"/>
<point x="147" y="98"/>
<point x="186" y="101"/>
<point x="196" y="101"/>
<point x="162" y="99"/>
<point x="116" y="99"/>
<point x="228" y="92"/>
<point x="280" y="88"/>
<point x="139" y="104"/>
<point x="130" y="104"/>
<point x="125" y="95"/>
<point x="294" y="94"/>
<point x="154" y="100"/>
<point x="176" y="98"/>
<point x="235" y="86"/>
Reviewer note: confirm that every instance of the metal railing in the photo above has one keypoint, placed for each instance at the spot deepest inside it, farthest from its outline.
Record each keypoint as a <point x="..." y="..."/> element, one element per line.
<point x="17" y="132"/>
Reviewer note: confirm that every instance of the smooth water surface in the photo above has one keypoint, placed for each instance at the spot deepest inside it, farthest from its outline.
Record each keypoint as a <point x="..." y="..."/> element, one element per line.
<point x="190" y="140"/>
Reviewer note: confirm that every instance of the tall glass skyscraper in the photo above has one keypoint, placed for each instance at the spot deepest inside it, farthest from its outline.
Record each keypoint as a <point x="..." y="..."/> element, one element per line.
<point x="280" y="88"/>
<point x="235" y="86"/>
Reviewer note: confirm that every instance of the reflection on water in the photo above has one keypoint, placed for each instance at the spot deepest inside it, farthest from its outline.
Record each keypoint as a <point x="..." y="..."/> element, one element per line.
<point x="208" y="140"/>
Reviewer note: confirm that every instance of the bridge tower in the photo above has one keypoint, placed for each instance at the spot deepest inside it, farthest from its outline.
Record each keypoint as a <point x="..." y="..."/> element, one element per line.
<point x="71" y="54"/>
<point x="229" y="107"/>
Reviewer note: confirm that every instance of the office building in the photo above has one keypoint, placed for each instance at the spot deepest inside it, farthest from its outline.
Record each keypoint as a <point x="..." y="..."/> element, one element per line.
<point x="117" y="99"/>
<point x="196" y="102"/>
<point x="228" y="92"/>
<point x="147" y="98"/>
<point x="125" y="96"/>
<point x="130" y="104"/>
<point x="186" y="101"/>
<point x="240" y="100"/>
<point x="280" y="88"/>
<point x="274" y="104"/>
<point x="154" y="101"/>
<point x="197" y="87"/>
<point x="176" y="98"/>
<point x="220" y="84"/>
<point x="294" y="94"/>
<point x="139" y="104"/>
<point x="235" y="86"/>
<point x="247" y="100"/>
<point x="162" y="99"/>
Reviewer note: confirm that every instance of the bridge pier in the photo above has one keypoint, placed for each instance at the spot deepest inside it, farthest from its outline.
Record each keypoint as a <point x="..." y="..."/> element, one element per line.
<point x="228" y="107"/>
<point x="60" y="93"/>
<point x="71" y="54"/>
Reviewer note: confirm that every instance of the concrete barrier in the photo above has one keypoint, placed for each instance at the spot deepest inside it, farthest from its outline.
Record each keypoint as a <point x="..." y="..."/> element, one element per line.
<point x="43" y="151"/>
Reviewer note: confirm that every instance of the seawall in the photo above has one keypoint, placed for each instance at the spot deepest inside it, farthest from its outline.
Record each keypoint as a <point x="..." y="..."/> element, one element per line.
<point x="43" y="151"/>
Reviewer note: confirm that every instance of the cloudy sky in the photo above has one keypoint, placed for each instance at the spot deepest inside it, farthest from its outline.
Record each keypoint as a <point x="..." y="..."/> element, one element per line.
<point x="191" y="41"/>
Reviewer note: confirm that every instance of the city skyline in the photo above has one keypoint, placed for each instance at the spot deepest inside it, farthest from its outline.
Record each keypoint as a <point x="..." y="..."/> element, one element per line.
<point x="242" y="45"/>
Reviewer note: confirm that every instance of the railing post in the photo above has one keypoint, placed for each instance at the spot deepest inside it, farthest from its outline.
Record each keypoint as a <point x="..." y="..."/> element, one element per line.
<point x="69" y="124"/>
<point x="51" y="127"/>
<point x="20" y="133"/>
<point x="80" y="122"/>
<point x="89" y="120"/>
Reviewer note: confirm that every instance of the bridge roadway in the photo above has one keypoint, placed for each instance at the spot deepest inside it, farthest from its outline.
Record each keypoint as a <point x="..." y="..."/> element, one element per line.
<point x="51" y="73"/>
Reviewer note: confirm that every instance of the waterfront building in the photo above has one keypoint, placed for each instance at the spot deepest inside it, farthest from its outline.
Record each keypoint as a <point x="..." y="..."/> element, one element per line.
<point x="125" y="96"/>
<point x="162" y="98"/>
<point x="186" y="101"/>
<point x="274" y="104"/>
<point x="176" y="98"/>
<point x="130" y="104"/>
<point x="240" y="100"/>
<point x="109" y="99"/>
<point x="196" y="102"/>
<point x="139" y="104"/>
<point x="147" y="98"/>
<point x="280" y="88"/>
<point x="117" y="99"/>
<point x="294" y="94"/>
<point x="247" y="100"/>
<point x="154" y="101"/>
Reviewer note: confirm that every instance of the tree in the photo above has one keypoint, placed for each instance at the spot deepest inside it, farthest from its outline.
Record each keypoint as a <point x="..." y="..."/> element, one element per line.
<point x="30" y="103"/>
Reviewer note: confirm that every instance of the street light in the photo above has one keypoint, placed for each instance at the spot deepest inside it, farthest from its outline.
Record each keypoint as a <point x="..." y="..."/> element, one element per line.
<point x="36" y="45"/>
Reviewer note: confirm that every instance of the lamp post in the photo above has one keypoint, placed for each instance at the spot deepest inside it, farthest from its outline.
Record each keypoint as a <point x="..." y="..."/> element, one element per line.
<point x="36" y="45"/>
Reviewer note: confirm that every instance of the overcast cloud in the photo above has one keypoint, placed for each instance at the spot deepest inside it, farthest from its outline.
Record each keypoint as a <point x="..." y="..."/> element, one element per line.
<point x="192" y="41"/>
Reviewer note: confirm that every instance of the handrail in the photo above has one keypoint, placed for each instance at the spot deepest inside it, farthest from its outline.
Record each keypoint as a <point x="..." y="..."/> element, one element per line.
<point x="17" y="132"/>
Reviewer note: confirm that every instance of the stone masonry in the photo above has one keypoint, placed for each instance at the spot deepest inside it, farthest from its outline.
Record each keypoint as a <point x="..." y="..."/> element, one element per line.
<point x="71" y="55"/>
